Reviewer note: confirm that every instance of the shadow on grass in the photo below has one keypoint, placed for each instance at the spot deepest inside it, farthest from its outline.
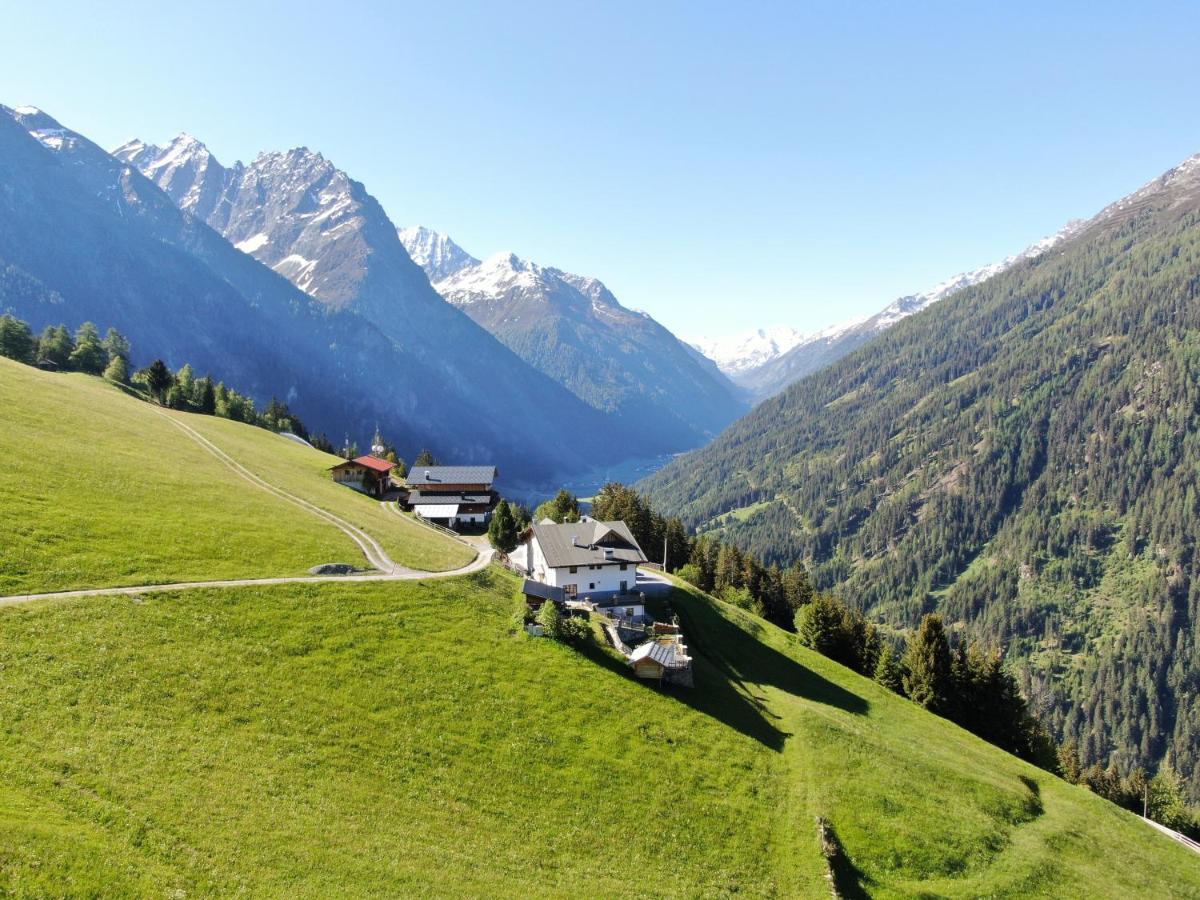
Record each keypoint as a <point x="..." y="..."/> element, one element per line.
<point x="848" y="880"/>
<point x="728" y="661"/>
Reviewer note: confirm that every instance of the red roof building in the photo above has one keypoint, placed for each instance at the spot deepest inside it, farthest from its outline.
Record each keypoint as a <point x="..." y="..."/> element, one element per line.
<point x="368" y="474"/>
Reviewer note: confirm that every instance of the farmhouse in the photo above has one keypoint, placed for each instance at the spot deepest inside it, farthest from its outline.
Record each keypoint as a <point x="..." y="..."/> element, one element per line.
<point x="584" y="558"/>
<point x="368" y="474"/>
<point x="452" y="495"/>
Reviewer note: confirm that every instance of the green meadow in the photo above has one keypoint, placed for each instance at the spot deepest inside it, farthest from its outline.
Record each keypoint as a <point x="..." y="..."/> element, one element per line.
<point x="407" y="739"/>
<point x="98" y="489"/>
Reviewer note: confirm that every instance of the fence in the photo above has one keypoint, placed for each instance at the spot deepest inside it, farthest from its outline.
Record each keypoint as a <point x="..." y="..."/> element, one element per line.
<point x="434" y="525"/>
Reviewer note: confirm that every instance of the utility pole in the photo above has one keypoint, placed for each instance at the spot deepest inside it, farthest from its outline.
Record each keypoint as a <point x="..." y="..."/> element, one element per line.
<point x="664" y="551"/>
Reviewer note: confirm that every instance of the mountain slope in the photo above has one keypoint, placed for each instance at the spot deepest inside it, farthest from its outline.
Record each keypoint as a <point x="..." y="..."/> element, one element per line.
<point x="572" y="328"/>
<point x="310" y="222"/>
<point x="108" y="245"/>
<point x="145" y="504"/>
<point x="766" y="375"/>
<point x="1024" y="459"/>
<point x="326" y="740"/>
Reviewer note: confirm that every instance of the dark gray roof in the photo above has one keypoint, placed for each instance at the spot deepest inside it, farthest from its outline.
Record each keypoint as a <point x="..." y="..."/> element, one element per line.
<point x="533" y="588"/>
<point x="583" y="543"/>
<point x="435" y="475"/>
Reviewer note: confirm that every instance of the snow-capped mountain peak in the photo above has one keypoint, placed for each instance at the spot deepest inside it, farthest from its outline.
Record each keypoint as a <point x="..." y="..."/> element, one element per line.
<point x="750" y="349"/>
<point x="435" y="252"/>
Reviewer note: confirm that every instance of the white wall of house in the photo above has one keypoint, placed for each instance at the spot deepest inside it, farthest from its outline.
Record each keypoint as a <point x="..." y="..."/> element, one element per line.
<point x="604" y="578"/>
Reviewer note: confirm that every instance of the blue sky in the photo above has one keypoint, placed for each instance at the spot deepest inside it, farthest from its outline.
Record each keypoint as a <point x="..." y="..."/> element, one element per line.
<point x="723" y="166"/>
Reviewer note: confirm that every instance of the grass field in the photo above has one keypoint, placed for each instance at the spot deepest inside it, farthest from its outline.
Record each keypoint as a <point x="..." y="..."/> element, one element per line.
<point x="305" y="472"/>
<point x="98" y="489"/>
<point x="403" y="739"/>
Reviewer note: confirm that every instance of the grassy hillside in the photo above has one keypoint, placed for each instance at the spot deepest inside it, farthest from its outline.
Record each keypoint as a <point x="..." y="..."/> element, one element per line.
<point x="99" y="489"/>
<point x="401" y="739"/>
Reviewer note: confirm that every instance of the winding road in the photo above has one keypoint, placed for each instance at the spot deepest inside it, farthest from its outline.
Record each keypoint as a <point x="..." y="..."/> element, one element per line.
<point x="386" y="569"/>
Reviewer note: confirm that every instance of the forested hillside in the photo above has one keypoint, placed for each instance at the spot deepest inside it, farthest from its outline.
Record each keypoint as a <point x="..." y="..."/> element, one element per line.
<point x="1023" y="459"/>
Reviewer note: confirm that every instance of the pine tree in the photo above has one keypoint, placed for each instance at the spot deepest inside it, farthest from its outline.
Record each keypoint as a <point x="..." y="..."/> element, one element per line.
<point x="797" y="587"/>
<point x="927" y="661"/>
<point x="563" y="507"/>
<point x="424" y="458"/>
<point x="502" y="530"/>
<point x="679" y="545"/>
<point x="185" y="380"/>
<point x="55" y="346"/>
<point x="158" y="379"/>
<point x="550" y="618"/>
<point x="207" y="396"/>
<point x="117" y="371"/>
<point x="888" y="672"/>
<point x="116" y="344"/>
<point x="88" y="355"/>
<point x="818" y="625"/>
<point x="16" y="340"/>
<point x="729" y="572"/>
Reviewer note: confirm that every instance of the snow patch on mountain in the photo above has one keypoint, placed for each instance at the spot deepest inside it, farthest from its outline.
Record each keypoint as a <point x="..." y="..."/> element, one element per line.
<point x="739" y="352"/>
<point x="250" y="244"/>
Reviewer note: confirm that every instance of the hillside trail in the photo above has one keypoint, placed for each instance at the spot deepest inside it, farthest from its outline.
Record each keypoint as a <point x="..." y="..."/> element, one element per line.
<point x="370" y="547"/>
<point x="479" y="563"/>
<point x="386" y="568"/>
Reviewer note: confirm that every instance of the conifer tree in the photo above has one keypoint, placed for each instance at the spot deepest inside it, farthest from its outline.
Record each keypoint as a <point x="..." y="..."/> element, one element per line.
<point x="424" y="458"/>
<point x="888" y="672"/>
<point x="55" y="345"/>
<point x="117" y="371"/>
<point x="502" y="530"/>
<point x="16" y="340"/>
<point x="88" y="355"/>
<point x="116" y="344"/>
<point x="185" y="380"/>
<point x="158" y="379"/>
<point x="550" y="618"/>
<point x="206" y="396"/>
<point x="927" y="661"/>
<point x="679" y="545"/>
<point x="818" y="625"/>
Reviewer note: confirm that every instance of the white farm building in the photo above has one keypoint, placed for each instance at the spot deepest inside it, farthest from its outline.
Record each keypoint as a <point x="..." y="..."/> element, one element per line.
<point x="585" y="558"/>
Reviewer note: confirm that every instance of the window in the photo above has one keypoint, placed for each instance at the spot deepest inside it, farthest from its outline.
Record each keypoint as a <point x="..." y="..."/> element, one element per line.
<point x="573" y="569"/>
<point x="629" y="612"/>
<point x="624" y="566"/>
<point x="592" y="586"/>
<point x="571" y="589"/>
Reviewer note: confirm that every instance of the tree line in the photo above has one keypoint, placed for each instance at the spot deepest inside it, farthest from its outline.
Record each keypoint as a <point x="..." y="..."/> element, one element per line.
<point x="109" y="356"/>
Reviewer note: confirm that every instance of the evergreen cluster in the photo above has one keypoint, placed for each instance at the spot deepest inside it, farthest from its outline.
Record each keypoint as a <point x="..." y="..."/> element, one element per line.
<point x="562" y="507"/>
<point x="714" y="566"/>
<point x="109" y="356"/>
<point x="55" y="348"/>
<point x="1023" y="459"/>
<point x="966" y="684"/>
<point x="1162" y="798"/>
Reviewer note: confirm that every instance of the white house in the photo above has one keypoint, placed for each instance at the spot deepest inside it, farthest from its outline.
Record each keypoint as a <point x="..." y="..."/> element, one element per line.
<point x="585" y="558"/>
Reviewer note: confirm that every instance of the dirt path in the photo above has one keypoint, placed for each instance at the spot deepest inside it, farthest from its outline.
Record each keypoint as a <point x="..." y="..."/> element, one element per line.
<point x="370" y="547"/>
<point x="480" y="562"/>
<point x="387" y="569"/>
